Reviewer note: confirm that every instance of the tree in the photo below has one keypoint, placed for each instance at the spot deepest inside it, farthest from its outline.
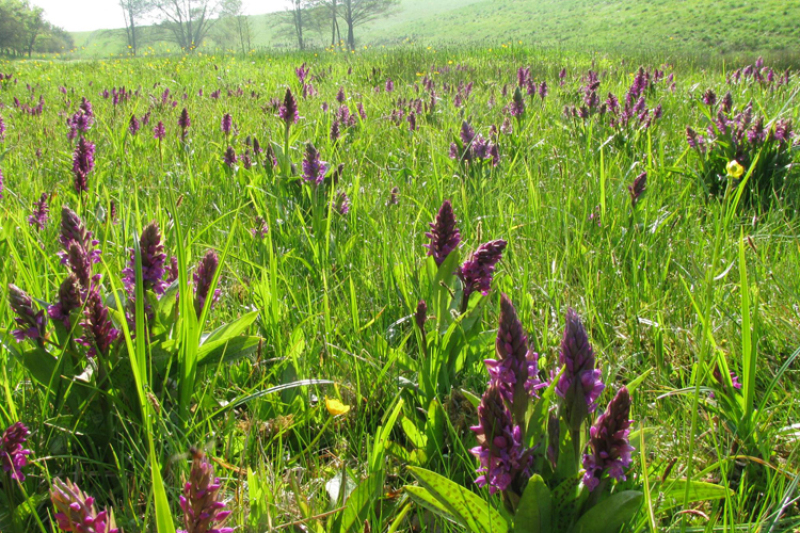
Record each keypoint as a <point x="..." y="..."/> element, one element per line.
<point x="188" y="21"/>
<point x="296" y="20"/>
<point x="33" y="25"/>
<point x="234" y="25"/>
<point x="134" y="12"/>
<point x="357" y="12"/>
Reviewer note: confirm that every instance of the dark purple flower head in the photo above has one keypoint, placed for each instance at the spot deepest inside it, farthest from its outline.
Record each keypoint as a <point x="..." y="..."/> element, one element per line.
<point x="444" y="235"/>
<point x="421" y="315"/>
<point x="159" y="131"/>
<point x="13" y="456"/>
<point x="341" y="203"/>
<point x="99" y="332"/>
<point x="783" y="131"/>
<point x="335" y="132"/>
<point x="30" y="323"/>
<point x="184" y="122"/>
<point x="41" y="212"/>
<point x="477" y="272"/>
<point x="394" y="196"/>
<point x="313" y="167"/>
<point x="80" y="264"/>
<point x="302" y="73"/>
<point x="226" y="124"/>
<point x="580" y="384"/>
<point x="608" y="442"/>
<point x="500" y="450"/>
<point x="757" y="134"/>
<point x="514" y="371"/>
<point x="517" y="107"/>
<point x="203" y="510"/>
<point x="153" y="261"/>
<point x="710" y="97"/>
<point x="543" y="90"/>
<point x="82" y="164"/>
<point x="73" y="230"/>
<point x="467" y="134"/>
<point x="637" y="188"/>
<point x="288" y="111"/>
<point x="69" y="298"/>
<point x="133" y="125"/>
<point x="172" y="270"/>
<point x="76" y="511"/>
<point x="230" y="157"/>
<point x="389" y="85"/>
<point x="203" y="276"/>
<point x="340" y="96"/>
<point x="726" y="104"/>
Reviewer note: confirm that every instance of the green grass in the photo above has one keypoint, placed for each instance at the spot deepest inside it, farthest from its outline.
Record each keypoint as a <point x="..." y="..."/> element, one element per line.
<point x="665" y="290"/>
<point x="700" y="27"/>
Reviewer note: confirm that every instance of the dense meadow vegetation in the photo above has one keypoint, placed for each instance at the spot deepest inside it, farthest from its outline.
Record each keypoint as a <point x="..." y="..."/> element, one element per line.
<point x="408" y="290"/>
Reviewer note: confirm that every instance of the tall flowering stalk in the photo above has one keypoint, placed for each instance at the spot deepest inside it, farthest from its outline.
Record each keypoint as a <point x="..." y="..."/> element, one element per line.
<point x="153" y="260"/>
<point x="477" y="272"/>
<point x="313" y="167"/>
<point x="637" y="188"/>
<point x="82" y="164"/>
<point x="13" y="455"/>
<point x="515" y="369"/>
<point x="502" y="456"/>
<point x="580" y="384"/>
<point x="76" y="511"/>
<point x="609" y="443"/>
<point x="289" y="113"/>
<point x="73" y="230"/>
<point x="41" y="212"/>
<point x="184" y="122"/>
<point x="99" y="331"/>
<point x="203" y="276"/>
<point x="70" y="298"/>
<point x="30" y="322"/>
<point x="226" y="124"/>
<point x="444" y="234"/>
<point x="203" y="511"/>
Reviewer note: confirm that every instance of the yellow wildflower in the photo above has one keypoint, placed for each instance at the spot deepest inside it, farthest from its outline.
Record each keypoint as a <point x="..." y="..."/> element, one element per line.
<point x="335" y="407"/>
<point x="735" y="170"/>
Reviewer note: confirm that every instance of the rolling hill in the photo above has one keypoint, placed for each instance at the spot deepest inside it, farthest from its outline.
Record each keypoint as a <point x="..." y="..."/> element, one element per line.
<point x="704" y="26"/>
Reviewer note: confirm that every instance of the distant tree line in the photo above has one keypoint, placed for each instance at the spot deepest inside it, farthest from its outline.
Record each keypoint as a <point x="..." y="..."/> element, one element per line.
<point x="24" y="30"/>
<point x="306" y="17"/>
<point x="190" y="23"/>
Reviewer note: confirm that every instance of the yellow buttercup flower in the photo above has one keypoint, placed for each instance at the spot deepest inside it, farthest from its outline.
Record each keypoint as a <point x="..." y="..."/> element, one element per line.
<point x="335" y="407"/>
<point x="735" y="170"/>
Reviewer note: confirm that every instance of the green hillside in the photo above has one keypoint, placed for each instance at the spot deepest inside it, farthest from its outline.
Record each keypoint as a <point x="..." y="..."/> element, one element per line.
<point x="713" y="26"/>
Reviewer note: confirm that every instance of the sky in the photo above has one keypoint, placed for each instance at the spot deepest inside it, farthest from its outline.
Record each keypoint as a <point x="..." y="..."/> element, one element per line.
<point x="89" y="15"/>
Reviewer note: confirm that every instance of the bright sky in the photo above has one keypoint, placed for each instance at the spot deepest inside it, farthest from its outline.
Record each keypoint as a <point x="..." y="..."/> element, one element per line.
<point x="88" y="15"/>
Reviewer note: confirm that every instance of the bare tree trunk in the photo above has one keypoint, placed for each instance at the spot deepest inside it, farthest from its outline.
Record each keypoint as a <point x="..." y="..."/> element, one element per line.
<point x="334" y="26"/>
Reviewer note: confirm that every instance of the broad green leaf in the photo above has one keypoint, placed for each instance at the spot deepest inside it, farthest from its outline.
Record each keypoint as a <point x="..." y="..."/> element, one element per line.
<point x="235" y="328"/>
<point x="435" y="430"/>
<point x="39" y="363"/>
<point x="424" y="498"/>
<point x="417" y="439"/>
<point x="469" y="509"/>
<point x="227" y="350"/>
<point x="359" y="503"/>
<point x="535" y="508"/>
<point x="699" y="491"/>
<point x="609" y="515"/>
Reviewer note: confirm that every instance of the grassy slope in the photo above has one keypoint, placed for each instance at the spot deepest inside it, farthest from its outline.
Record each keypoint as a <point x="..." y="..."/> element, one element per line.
<point x="740" y="25"/>
<point x="679" y="25"/>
